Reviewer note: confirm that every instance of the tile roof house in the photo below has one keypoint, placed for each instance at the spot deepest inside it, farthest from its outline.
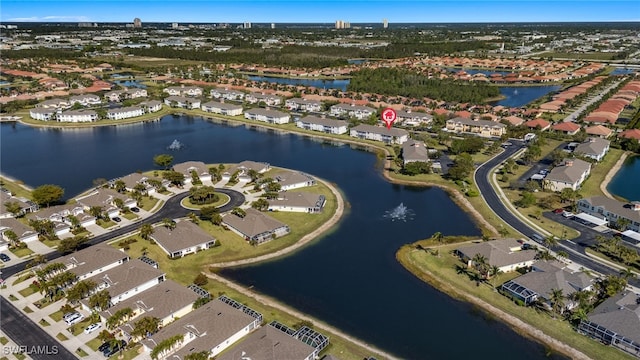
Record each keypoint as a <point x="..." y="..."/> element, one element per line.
<point x="507" y="254"/>
<point x="222" y="108"/>
<point x="298" y="202"/>
<point x="482" y="128"/>
<point x="289" y="180"/>
<point x="212" y="327"/>
<point x="414" y="151"/>
<point x="616" y="322"/>
<point x="186" y="238"/>
<point x="329" y="126"/>
<point x="93" y="260"/>
<point x="571" y="173"/>
<point x="188" y="167"/>
<point x="514" y="120"/>
<point x="612" y="210"/>
<point x="599" y="130"/>
<point x="267" y="115"/>
<point x="379" y="133"/>
<point x="166" y="301"/>
<point x="568" y="128"/>
<point x="24" y="232"/>
<point x="630" y="134"/>
<point x="595" y="148"/>
<point x="269" y="343"/>
<point x="255" y="227"/>
<point x="126" y="280"/>
<point x="538" y="124"/>
<point x="543" y="279"/>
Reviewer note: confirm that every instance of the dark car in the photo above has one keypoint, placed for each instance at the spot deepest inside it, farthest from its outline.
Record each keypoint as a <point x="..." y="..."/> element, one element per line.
<point x="112" y="350"/>
<point x="558" y="211"/>
<point x="135" y="209"/>
<point x="4" y="257"/>
<point x="116" y="219"/>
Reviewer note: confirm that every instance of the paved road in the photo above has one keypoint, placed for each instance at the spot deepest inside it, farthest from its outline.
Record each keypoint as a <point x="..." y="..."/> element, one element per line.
<point x="574" y="249"/>
<point x="171" y="209"/>
<point x="582" y="108"/>
<point x="24" y="332"/>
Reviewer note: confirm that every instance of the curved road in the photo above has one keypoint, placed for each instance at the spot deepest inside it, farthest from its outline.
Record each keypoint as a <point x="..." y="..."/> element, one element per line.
<point x="575" y="249"/>
<point x="40" y="345"/>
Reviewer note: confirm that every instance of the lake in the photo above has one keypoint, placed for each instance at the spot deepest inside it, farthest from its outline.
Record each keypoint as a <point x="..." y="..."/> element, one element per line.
<point x="349" y="278"/>
<point x="514" y="96"/>
<point x="626" y="181"/>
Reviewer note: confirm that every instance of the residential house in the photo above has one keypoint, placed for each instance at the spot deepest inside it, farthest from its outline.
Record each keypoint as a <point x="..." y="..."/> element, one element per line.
<point x="289" y="180"/>
<point x="243" y="169"/>
<point x="378" y="133"/>
<point x="567" y="128"/>
<point x="598" y="131"/>
<point x="166" y="301"/>
<point x="126" y="280"/>
<point x="132" y="181"/>
<point x="24" y="232"/>
<point x="514" y="120"/>
<point x="186" y="238"/>
<point x="106" y="200"/>
<point x="298" y="202"/>
<point x="56" y="103"/>
<point x="124" y="112"/>
<point x="270" y="343"/>
<point x="414" y="151"/>
<point x="85" y="100"/>
<point x="538" y="124"/>
<point x="543" y="279"/>
<point x="183" y="90"/>
<point x="482" y="128"/>
<point x="506" y="254"/>
<point x="298" y="104"/>
<point x="188" y="168"/>
<point x="616" y="322"/>
<point x="43" y="114"/>
<point x="61" y="215"/>
<point x="355" y="111"/>
<point x="151" y="105"/>
<point x="227" y="94"/>
<point x="410" y="118"/>
<point x="212" y="327"/>
<point x="571" y="173"/>
<point x="630" y="134"/>
<point x="612" y="210"/>
<point x="76" y="116"/>
<point x="222" y="108"/>
<point x="267" y="115"/>
<point x="182" y="102"/>
<point x="255" y="227"/>
<point x="595" y="148"/>
<point x="93" y="260"/>
<point x="329" y="126"/>
<point x="26" y="206"/>
<point x="269" y="100"/>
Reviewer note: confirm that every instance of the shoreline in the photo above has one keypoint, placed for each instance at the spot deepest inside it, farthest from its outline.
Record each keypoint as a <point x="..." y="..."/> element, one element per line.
<point x="519" y="326"/>
<point x="612" y="172"/>
<point x="314" y="235"/>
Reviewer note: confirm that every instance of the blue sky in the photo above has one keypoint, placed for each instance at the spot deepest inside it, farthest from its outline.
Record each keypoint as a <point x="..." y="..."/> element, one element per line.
<point x="288" y="11"/>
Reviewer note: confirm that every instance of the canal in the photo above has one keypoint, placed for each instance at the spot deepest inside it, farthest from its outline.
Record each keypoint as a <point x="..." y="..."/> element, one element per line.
<point x="349" y="278"/>
<point x="626" y="181"/>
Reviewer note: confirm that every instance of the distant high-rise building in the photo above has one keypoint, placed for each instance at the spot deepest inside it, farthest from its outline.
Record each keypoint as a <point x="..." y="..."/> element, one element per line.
<point x="137" y="23"/>
<point x="174" y="25"/>
<point x="247" y="25"/>
<point x="340" y="24"/>
<point x="385" y="23"/>
<point x="273" y="25"/>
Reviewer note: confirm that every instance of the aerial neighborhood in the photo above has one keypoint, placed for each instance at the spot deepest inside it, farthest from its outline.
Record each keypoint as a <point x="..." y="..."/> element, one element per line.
<point x="519" y="146"/>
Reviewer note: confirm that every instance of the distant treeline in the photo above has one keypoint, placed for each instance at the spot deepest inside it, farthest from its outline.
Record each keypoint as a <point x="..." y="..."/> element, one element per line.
<point x="393" y="81"/>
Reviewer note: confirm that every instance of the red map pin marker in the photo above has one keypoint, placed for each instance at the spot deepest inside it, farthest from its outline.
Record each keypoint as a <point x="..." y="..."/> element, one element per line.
<point x="389" y="116"/>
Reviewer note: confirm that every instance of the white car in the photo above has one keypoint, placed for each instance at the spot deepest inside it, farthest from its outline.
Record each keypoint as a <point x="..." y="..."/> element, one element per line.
<point x="74" y="319"/>
<point x="91" y="328"/>
<point x="567" y="214"/>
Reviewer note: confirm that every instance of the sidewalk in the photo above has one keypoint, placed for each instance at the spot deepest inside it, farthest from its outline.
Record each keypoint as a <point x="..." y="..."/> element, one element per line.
<point x="56" y="329"/>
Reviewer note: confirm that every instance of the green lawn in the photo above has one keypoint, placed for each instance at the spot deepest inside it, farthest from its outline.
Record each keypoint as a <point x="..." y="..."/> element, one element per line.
<point x="50" y="243"/>
<point x="3" y="340"/>
<point x="44" y="322"/>
<point x="61" y="337"/>
<point x="94" y="344"/>
<point x="56" y="316"/>
<point x="22" y="252"/>
<point x="12" y="297"/>
<point x="222" y="199"/>
<point x="441" y="273"/>
<point x="148" y="202"/>
<point x="15" y="187"/>
<point x="591" y="187"/>
<point x="22" y="278"/>
<point x="77" y="329"/>
<point x="106" y="224"/>
<point x="27" y="310"/>
<point x="81" y="352"/>
<point x="130" y="216"/>
<point x="28" y="291"/>
<point x="581" y="56"/>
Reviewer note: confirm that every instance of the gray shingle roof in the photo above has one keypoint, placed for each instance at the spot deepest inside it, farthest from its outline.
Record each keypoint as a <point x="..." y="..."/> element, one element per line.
<point x="592" y="146"/>
<point x="380" y="130"/>
<point x="620" y="314"/>
<point x="467" y="121"/>
<point x="269" y="343"/>
<point x="549" y="277"/>
<point x="499" y="252"/>
<point x="323" y="121"/>
<point x="220" y="105"/>
<point x="254" y="223"/>
<point x="414" y="150"/>
<point x="92" y="258"/>
<point x="185" y="235"/>
<point x="298" y="199"/>
<point x="126" y="277"/>
<point x="619" y="208"/>
<point x="266" y="112"/>
<point x="570" y="171"/>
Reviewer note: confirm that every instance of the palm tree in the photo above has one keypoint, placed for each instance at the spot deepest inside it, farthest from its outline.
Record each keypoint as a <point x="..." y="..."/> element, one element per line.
<point x="494" y="271"/>
<point x="438" y="237"/>
<point x="480" y="263"/>
<point x="550" y="241"/>
<point x="557" y="301"/>
<point x="146" y="230"/>
<point x="627" y="274"/>
<point x="168" y="223"/>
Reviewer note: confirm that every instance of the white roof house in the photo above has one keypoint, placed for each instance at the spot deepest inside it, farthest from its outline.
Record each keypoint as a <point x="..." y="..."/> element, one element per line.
<point x="222" y="108"/>
<point x="78" y="116"/>
<point x="270" y="100"/>
<point x="299" y="104"/>
<point x="324" y="125"/>
<point x="378" y="133"/>
<point x="227" y="94"/>
<point x="43" y="114"/>
<point x="267" y="115"/>
<point x="125" y="112"/>
<point x="356" y="111"/>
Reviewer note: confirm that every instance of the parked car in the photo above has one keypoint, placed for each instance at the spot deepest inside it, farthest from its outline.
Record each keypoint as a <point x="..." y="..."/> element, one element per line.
<point x="537" y="237"/>
<point x="68" y="315"/>
<point x="135" y="209"/>
<point x="112" y="350"/>
<point x="74" y="319"/>
<point x="4" y="257"/>
<point x="558" y="211"/>
<point x="91" y="328"/>
<point x="568" y="214"/>
<point x="116" y="219"/>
